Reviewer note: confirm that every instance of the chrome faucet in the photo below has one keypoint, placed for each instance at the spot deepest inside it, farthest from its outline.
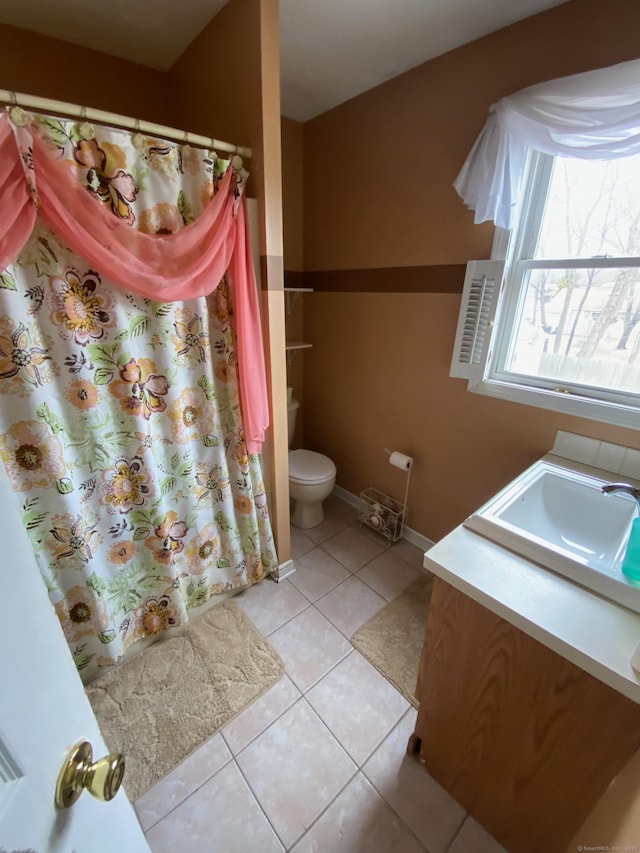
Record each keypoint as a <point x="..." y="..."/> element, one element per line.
<point x="624" y="488"/>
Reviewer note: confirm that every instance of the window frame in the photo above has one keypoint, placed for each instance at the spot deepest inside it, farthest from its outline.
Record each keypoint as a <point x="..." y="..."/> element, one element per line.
<point x="516" y="248"/>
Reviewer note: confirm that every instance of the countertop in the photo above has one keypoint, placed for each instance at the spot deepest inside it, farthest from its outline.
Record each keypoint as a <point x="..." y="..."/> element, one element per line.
<point x="597" y="635"/>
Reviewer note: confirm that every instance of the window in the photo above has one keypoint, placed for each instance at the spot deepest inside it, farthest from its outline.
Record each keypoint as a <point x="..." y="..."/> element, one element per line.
<point x="560" y="326"/>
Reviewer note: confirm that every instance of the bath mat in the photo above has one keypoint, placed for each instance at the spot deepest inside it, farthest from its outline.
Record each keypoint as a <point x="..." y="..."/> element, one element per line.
<point x="160" y="705"/>
<point x="392" y="639"/>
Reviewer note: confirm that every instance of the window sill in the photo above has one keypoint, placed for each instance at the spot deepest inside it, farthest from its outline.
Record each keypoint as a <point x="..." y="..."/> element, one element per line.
<point x="568" y="404"/>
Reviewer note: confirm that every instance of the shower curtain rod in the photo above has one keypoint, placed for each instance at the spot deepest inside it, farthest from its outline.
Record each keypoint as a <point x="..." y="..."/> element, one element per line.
<point x="46" y="105"/>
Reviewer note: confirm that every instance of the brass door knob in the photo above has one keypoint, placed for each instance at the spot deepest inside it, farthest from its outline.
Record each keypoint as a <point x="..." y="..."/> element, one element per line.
<point x="102" y="778"/>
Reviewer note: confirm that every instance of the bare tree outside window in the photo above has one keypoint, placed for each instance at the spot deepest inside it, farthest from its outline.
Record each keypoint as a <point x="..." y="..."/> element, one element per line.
<point x="579" y="319"/>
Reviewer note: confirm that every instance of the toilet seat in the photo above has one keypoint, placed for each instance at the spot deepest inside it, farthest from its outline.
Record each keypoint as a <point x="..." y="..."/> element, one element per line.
<point x="307" y="466"/>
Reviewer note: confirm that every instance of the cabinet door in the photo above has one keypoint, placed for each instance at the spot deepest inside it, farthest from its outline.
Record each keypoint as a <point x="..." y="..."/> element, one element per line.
<point x="524" y="740"/>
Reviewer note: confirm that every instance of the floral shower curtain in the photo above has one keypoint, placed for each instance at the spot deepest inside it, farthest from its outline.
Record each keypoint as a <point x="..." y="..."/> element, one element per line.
<point x="121" y="424"/>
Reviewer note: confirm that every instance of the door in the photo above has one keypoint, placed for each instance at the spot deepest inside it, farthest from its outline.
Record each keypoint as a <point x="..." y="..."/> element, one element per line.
<point x="43" y="713"/>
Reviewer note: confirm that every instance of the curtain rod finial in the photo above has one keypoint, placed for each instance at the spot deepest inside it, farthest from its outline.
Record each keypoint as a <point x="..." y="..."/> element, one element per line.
<point x="19" y="117"/>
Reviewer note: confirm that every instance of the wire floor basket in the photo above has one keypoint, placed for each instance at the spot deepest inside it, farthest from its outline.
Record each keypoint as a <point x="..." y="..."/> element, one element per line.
<point x="382" y="514"/>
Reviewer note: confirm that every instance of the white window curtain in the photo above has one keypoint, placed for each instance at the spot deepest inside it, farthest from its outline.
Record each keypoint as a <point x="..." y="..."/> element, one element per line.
<point x="593" y="116"/>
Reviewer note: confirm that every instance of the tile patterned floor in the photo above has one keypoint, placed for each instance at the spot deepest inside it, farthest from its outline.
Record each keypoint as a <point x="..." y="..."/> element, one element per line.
<point x="318" y="764"/>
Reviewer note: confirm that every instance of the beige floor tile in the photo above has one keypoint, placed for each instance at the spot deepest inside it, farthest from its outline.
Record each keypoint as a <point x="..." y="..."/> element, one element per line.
<point x="427" y="809"/>
<point x="358" y="821"/>
<point x="310" y="646"/>
<point x="326" y="529"/>
<point x="359" y="706"/>
<point x="354" y="547"/>
<point x="317" y="573"/>
<point x="260" y="714"/>
<point x="408" y="553"/>
<point x="300" y="542"/>
<point x="295" y="768"/>
<point x="222" y="815"/>
<point x="335" y="506"/>
<point x="349" y="605"/>
<point x="388" y="575"/>
<point x="337" y="516"/>
<point x="182" y="781"/>
<point x="472" y="838"/>
<point x="269" y="604"/>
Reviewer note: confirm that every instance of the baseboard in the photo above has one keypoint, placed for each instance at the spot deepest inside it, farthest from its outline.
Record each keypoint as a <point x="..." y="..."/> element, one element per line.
<point x="417" y="539"/>
<point x="409" y="533"/>
<point x="283" y="571"/>
<point x="347" y="497"/>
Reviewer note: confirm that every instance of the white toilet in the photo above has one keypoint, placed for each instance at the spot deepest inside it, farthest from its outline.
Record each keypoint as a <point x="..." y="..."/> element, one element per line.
<point x="312" y="477"/>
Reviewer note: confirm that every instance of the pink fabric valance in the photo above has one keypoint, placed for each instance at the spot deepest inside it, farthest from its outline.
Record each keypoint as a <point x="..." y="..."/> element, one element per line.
<point x="163" y="267"/>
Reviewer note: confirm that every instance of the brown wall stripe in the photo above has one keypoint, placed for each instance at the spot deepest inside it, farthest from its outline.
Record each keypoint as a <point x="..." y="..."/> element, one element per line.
<point x="443" y="278"/>
<point x="294" y="278"/>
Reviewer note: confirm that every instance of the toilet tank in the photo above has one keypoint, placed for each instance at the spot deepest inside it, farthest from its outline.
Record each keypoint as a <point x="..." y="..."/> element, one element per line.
<point x="292" y="413"/>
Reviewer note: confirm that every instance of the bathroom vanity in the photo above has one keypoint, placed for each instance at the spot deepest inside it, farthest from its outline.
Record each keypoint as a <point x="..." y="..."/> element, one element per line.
<point x="529" y="706"/>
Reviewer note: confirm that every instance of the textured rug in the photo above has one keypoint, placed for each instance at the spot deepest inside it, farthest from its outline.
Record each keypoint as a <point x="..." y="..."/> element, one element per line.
<point x="392" y="639"/>
<point x="163" y="703"/>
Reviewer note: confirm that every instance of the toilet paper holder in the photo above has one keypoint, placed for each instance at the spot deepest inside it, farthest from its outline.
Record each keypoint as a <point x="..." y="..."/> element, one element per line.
<point x="381" y="512"/>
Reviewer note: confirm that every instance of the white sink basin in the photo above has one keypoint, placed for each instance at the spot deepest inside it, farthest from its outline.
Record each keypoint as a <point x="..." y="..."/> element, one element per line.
<point x="560" y="519"/>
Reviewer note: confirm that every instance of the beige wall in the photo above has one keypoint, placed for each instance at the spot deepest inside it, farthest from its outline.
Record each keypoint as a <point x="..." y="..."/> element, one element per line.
<point x="293" y="192"/>
<point x="295" y="360"/>
<point x="50" y="68"/>
<point x="293" y="211"/>
<point x="227" y="84"/>
<point x="217" y="79"/>
<point x="378" y="193"/>
<point x="379" y="169"/>
<point x="377" y="377"/>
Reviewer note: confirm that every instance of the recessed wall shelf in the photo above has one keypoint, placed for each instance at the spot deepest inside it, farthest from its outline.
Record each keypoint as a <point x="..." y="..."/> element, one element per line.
<point x="297" y="345"/>
<point x="291" y="294"/>
<point x="293" y="346"/>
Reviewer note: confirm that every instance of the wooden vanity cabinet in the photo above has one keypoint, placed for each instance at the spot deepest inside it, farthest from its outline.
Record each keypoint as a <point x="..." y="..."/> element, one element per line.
<point x="524" y="740"/>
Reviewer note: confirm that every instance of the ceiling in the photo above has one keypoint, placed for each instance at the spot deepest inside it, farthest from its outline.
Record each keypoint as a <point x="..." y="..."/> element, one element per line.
<point x="331" y="50"/>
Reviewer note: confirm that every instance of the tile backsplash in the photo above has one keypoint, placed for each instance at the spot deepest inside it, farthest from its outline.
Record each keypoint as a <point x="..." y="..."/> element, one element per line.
<point x="600" y="454"/>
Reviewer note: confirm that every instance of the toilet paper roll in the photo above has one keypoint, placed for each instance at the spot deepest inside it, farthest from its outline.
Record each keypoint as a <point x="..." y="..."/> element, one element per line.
<point x="400" y="460"/>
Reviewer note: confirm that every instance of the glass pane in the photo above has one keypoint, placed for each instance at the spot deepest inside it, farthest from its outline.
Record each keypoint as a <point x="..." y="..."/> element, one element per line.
<point x="593" y="209"/>
<point x="580" y="326"/>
